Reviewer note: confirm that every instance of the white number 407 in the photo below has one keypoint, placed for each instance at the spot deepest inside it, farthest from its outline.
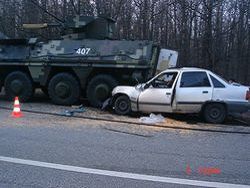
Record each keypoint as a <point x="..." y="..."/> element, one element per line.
<point x="83" y="51"/>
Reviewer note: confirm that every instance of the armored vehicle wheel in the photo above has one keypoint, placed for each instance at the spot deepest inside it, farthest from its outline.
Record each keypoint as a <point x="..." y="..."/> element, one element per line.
<point x="99" y="89"/>
<point x="18" y="84"/>
<point x="64" y="89"/>
<point x="122" y="105"/>
<point x="215" y="113"/>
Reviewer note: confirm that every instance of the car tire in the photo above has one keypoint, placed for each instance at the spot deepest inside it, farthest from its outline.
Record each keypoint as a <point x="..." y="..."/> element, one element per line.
<point x="64" y="89"/>
<point x="122" y="105"/>
<point x="18" y="84"/>
<point x="99" y="89"/>
<point x="214" y="113"/>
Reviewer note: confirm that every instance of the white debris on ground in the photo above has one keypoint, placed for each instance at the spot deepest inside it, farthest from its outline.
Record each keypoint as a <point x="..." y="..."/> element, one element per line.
<point x="152" y="119"/>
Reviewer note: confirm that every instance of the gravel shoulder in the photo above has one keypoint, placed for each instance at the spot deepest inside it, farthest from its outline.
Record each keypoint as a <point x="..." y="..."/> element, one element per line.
<point x="41" y="103"/>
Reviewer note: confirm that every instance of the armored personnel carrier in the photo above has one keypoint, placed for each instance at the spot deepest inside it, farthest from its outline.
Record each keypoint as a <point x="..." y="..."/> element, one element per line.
<point x="85" y="61"/>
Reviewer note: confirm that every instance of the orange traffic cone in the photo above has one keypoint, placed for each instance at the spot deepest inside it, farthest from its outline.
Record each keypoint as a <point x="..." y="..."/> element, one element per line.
<point x="16" y="111"/>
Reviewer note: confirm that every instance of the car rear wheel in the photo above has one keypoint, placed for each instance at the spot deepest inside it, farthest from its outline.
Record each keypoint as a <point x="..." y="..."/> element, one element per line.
<point x="215" y="113"/>
<point x="122" y="105"/>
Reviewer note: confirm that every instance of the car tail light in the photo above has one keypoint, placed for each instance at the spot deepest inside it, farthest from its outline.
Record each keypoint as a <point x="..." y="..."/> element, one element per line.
<point x="248" y="95"/>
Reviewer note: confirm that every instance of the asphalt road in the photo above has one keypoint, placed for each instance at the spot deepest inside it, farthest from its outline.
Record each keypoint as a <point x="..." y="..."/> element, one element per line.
<point x="94" y="145"/>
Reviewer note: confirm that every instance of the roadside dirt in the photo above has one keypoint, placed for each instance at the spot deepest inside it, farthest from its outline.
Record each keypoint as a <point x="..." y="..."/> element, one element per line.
<point x="41" y="103"/>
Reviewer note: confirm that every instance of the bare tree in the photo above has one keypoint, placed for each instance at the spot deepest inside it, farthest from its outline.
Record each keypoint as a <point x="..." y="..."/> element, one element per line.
<point x="213" y="34"/>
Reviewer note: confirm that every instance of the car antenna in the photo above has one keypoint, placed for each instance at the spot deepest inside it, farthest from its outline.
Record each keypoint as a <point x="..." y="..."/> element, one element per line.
<point x="50" y="14"/>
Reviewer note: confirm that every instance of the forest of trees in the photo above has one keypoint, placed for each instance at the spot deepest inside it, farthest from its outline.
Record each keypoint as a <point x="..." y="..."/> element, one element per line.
<point x="213" y="34"/>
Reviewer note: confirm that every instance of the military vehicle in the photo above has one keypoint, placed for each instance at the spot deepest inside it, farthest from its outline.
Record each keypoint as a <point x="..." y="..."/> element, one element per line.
<point x="85" y="61"/>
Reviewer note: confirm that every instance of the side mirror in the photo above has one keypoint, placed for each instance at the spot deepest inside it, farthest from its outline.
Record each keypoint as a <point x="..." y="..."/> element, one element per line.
<point x="146" y="86"/>
<point x="154" y="83"/>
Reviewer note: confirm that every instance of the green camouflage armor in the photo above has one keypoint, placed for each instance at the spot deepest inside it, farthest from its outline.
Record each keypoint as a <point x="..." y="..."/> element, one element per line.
<point x="86" y="59"/>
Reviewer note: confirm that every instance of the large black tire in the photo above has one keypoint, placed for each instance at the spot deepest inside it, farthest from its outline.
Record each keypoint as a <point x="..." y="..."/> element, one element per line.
<point x="64" y="89"/>
<point x="18" y="84"/>
<point x="215" y="113"/>
<point x="122" y="105"/>
<point x="99" y="89"/>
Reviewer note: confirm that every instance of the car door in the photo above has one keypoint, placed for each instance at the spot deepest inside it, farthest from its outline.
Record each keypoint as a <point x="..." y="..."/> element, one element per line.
<point x="193" y="89"/>
<point x="157" y="97"/>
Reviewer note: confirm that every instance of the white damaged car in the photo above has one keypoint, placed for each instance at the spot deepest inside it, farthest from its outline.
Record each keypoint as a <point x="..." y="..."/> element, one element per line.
<point x="184" y="90"/>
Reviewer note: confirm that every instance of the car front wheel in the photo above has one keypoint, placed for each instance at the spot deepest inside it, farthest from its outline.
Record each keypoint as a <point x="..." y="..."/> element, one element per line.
<point x="122" y="105"/>
<point x="215" y="113"/>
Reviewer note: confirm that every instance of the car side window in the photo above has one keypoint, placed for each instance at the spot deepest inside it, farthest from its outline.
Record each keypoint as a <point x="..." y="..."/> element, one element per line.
<point x="216" y="83"/>
<point x="195" y="79"/>
<point x="165" y="80"/>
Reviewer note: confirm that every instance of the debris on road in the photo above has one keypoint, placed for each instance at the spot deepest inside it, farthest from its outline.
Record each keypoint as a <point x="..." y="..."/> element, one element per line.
<point x="106" y="103"/>
<point x="152" y="119"/>
<point x="79" y="109"/>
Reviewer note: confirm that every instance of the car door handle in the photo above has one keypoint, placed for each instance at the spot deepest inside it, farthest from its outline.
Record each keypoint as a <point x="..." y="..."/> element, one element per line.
<point x="204" y="92"/>
<point x="168" y="93"/>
